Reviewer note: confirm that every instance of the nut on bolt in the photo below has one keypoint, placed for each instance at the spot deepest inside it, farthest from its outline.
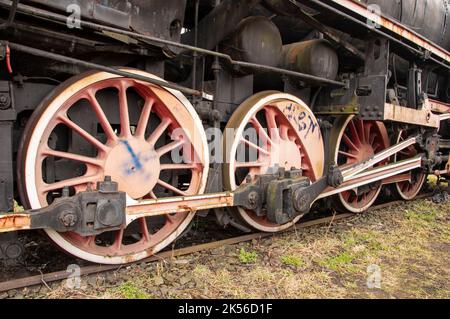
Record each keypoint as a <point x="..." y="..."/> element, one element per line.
<point x="302" y="200"/>
<point x="253" y="198"/>
<point x="68" y="218"/>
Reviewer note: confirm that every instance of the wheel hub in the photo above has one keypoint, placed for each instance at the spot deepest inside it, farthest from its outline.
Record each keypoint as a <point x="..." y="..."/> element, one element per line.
<point x="135" y="165"/>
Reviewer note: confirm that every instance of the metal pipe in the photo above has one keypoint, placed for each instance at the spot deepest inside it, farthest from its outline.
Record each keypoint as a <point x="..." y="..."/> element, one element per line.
<point x="12" y="15"/>
<point x="194" y="67"/>
<point x="89" y="65"/>
<point x="328" y="32"/>
<point x="98" y="27"/>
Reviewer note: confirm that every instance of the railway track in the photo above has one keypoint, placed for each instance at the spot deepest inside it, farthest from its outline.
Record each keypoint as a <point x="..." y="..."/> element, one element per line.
<point x="96" y="269"/>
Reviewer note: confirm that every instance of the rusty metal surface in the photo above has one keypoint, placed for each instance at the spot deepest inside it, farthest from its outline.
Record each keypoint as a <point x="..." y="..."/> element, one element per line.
<point x="13" y="222"/>
<point x="439" y="107"/>
<point x="417" y="15"/>
<point x="393" y="26"/>
<point x="403" y="114"/>
<point x="173" y="205"/>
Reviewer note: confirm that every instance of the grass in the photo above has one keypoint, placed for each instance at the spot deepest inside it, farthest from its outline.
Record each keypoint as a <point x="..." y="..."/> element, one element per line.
<point x="338" y="262"/>
<point x="293" y="261"/>
<point x="414" y="216"/>
<point x="410" y="244"/>
<point x="129" y="290"/>
<point x="247" y="257"/>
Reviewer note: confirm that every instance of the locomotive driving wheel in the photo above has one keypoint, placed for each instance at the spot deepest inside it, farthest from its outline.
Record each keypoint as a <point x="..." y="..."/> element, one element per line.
<point x="270" y="130"/>
<point x="147" y="138"/>
<point x="408" y="190"/>
<point x="353" y="141"/>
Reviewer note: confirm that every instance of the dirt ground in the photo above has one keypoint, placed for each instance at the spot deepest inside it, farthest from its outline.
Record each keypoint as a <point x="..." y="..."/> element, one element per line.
<point x="402" y="252"/>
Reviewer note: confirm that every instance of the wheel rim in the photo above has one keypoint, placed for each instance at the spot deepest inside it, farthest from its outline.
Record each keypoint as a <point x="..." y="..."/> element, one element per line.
<point x="135" y="149"/>
<point x="408" y="190"/>
<point x="286" y="135"/>
<point x="358" y="140"/>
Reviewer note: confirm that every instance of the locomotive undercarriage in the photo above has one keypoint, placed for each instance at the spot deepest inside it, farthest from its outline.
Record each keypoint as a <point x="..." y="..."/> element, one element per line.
<point x="336" y="137"/>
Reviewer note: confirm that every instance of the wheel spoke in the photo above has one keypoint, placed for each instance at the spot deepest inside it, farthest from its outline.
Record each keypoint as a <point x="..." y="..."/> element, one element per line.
<point x="376" y="146"/>
<point x="158" y="132"/>
<point x="272" y="125"/>
<point x="349" y="142"/>
<point x="169" y="219"/>
<point x="367" y="129"/>
<point x="124" y="112"/>
<point x="144" y="118"/>
<point x="364" y="197"/>
<point x="284" y="132"/>
<point x="71" y="182"/>
<point x="172" y="188"/>
<point x="354" y="133"/>
<point x="101" y="116"/>
<point x="144" y="229"/>
<point x="254" y="146"/>
<point x="261" y="130"/>
<point x="83" y="133"/>
<point x="405" y="187"/>
<point x="403" y="152"/>
<point x="362" y="132"/>
<point x="74" y="157"/>
<point x="169" y="167"/>
<point x="372" y="139"/>
<point x="90" y="240"/>
<point x="348" y="154"/>
<point x="249" y="164"/>
<point x="118" y="239"/>
<point x="169" y="147"/>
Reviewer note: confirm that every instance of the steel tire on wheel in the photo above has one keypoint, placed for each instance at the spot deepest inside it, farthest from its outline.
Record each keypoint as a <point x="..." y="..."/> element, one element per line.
<point x="352" y="141"/>
<point x="138" y="158"/>
<point x="289" y="137"/>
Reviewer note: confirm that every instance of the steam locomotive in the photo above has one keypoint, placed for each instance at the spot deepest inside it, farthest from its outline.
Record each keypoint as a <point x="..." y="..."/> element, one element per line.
<point x="122" y="120"/>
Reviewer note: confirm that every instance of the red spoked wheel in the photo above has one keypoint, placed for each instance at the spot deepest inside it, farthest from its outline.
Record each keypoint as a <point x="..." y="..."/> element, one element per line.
<point x="147" y="138"/>
<point x="270" y="130"/>
<point x="408" y="190"/>
<point x="353" y="141"/>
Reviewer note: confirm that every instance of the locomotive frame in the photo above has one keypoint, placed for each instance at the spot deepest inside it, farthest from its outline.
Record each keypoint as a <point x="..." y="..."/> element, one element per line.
<point x="204" y="51"/>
